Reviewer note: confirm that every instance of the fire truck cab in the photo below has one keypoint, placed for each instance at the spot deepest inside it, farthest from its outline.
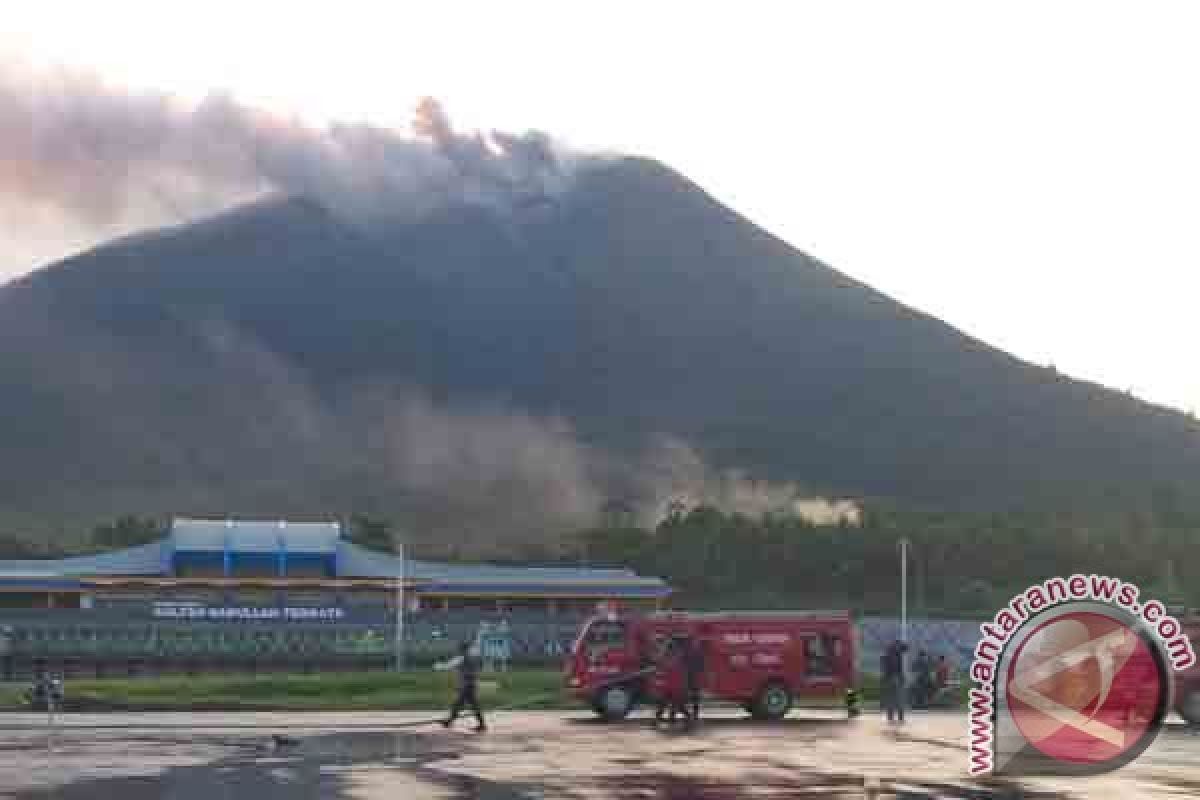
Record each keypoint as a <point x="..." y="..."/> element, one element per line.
<point x="762" y="661"/>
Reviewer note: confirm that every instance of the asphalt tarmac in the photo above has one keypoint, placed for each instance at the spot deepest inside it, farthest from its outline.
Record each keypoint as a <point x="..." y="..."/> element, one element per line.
<point x="209" y="756"/>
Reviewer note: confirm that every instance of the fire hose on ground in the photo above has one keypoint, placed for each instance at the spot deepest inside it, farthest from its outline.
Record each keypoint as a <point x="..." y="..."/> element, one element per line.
<point x="535" y="700"/>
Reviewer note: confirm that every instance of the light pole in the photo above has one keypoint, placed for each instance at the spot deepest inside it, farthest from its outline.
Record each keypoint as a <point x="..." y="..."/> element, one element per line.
<point x="904" y="545"/>
<point x="400" y="609"/>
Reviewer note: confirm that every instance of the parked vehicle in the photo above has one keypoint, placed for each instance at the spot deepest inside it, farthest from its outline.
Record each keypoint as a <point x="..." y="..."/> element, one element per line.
<point x="1187" y="683"/>
<point x="763" y="661"/>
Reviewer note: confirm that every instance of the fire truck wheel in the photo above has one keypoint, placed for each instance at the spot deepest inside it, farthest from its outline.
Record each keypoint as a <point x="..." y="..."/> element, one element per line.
<point x="1189" y="707"/>
<point x="774" y="701"/>
<point x="615" y="702"/>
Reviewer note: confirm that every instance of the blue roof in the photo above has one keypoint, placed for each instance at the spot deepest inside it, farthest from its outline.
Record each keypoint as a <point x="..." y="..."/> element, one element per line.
<point x="353" y="561"/>
<point x="361" y="562"/>
<point x="645" y="587"/>
<point x="148" y="559"/>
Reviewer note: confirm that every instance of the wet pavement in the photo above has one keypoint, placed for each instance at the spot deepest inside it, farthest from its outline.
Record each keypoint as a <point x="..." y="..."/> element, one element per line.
<point x="531" y="755"/>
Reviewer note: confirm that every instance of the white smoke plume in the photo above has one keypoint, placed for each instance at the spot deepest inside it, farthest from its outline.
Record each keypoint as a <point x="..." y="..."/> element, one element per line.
<point x="495" y="472"/>
<point x="673" y="477"/>
<point x="263" y="440"/>
<point x="484" y="474"/>
<point x="110" y="159"/>
<point x="103" y="155"/>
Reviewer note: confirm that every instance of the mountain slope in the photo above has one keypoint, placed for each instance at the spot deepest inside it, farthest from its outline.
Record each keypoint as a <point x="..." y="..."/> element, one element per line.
<point x="771" y="358"/>
<point x="241" y="364"/>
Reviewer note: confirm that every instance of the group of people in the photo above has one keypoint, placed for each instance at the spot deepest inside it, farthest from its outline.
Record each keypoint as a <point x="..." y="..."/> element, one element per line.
<point x="675" y="681"/>
<point x="930" y="677"/>
<point x="677" y="676"/>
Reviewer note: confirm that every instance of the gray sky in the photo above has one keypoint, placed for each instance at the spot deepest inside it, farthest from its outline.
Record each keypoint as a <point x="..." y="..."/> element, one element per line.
<point x="1027" y="171"/>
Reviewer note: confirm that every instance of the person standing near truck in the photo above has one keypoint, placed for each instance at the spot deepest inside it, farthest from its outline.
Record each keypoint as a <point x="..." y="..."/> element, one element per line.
<point x="922" y="680"/>
<point x="693" y="660"/>
<point x="891" y="681"/>
<point x="655" y="663"/>
<point x="467" y="665"/>
<point x="941" y="673"/>
<point x="669" y="684"/>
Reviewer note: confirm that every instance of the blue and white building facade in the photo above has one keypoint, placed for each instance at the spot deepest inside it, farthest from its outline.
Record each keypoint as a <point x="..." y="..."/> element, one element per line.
<point x="248" y="595"/>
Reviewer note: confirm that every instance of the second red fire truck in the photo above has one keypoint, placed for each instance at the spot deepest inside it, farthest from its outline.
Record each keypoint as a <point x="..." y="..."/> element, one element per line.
<point x="1187" y="683"/>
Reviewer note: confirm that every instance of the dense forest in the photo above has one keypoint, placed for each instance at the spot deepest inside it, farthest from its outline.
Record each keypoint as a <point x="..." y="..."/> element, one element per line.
<point x="959" y="563"/>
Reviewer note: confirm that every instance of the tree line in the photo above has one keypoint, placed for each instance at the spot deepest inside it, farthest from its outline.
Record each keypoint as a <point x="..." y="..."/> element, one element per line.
<point x="959" y="562"/>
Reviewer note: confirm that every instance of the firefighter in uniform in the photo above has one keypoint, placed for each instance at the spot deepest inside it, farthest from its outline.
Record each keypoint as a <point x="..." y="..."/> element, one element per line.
<point x="693" y="662"/>
<point x="467" y="665"/>
<point x="892" y="685"/>
<point x="670" y="684"/>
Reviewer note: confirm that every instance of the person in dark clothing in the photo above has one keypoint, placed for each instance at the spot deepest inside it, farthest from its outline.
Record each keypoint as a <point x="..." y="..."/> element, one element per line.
<point x="657" y="680"/>
<point x="46" y="693"/>
<point x="922" y="680"/>
<point x="941" y="673"/>
<point x="669" y="685"/>
<point x="693" y="663"/>
<point x="891" y="687"/>
<point x="468" y="686"/>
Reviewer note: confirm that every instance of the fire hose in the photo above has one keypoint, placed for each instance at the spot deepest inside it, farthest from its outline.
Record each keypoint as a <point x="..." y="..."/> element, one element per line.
<point x="628" y="677"/>
<point x="536" y="699"/>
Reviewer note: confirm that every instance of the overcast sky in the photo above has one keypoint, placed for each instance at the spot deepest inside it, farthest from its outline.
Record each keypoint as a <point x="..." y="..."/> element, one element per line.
<point x="1027" y="171"/>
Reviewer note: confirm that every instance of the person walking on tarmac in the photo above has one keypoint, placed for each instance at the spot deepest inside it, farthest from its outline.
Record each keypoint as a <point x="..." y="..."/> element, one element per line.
<point x="892" y="688"/>
<point x="467" y="665"/>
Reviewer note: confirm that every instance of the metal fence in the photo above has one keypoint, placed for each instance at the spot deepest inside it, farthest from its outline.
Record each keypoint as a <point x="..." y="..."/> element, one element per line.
<point x="953" y="638"/>
<point x="533" y="638"/>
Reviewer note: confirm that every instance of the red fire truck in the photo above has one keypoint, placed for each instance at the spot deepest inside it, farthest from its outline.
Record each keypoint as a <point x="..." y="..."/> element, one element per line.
<point x="1187" y="683"/>
<point x="761" y="660"/>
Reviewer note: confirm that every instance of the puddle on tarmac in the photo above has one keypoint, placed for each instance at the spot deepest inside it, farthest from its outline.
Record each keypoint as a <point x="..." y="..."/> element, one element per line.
<point x="313" y="767"/>
<point x="803" y="787"/>
<point x="325" y="767"/>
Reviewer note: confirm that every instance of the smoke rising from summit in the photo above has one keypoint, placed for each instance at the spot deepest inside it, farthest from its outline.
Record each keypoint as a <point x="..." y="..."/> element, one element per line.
<point x="77" y="149"/>
<point x="104" y="155"/>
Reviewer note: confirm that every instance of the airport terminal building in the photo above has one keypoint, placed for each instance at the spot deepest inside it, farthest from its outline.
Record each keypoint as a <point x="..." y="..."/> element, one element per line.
<point x="248" y="596"/>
